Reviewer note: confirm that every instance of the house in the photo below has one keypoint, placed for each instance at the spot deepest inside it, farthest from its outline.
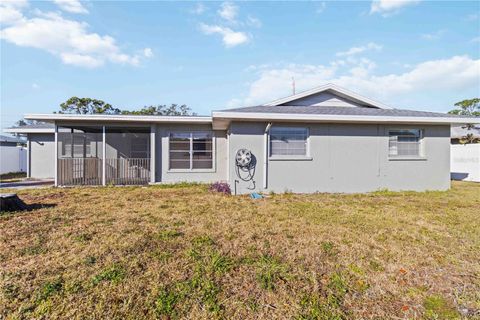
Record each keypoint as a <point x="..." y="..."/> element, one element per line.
<point x="327" y="139"/>
<point x="13" y="156"/>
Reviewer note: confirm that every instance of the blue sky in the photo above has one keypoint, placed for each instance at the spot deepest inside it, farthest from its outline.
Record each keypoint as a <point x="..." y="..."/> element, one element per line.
<point x="420" y="55"/>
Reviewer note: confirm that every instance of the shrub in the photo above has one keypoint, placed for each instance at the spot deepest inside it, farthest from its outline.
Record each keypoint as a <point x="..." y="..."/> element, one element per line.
<point x="222" y="187"/>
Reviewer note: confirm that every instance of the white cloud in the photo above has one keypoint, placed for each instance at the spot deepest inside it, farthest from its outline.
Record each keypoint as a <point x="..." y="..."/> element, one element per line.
<point x="70" y="40"/>
<point x="321" y="7"/>
<point x="228" y="11"/>
<point x="72" y="6"/>
<point x="148" y="52"/>
<point x="35" y="86"/>
<point x="198" y="9"/>
<point x="230" y="38"/>
<point x="434" y="35"/>
<point x="356" y="50"/>
<point x="389" y="7"/>
<point x="476" y="39"/>
<point x="11" y="11"/>
<point x="253" y="22"/>
<point x="455" y="73"/>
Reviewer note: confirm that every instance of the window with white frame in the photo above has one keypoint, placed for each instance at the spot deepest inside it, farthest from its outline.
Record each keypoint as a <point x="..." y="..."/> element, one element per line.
<point x="405" y="143"/>
<point x="191" y="150"/>
<point x="288" y="141"/>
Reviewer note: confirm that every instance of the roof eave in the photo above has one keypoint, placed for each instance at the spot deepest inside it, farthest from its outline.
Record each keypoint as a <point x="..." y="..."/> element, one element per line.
<point x="21" y="130"/>
<point x="312" y="118"/>
<point x="119" y="118"/>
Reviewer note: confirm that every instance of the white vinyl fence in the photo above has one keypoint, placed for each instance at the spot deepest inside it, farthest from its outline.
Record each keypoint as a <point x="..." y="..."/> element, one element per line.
<point x="13" y="159"/>
<point x="465" y="162"/>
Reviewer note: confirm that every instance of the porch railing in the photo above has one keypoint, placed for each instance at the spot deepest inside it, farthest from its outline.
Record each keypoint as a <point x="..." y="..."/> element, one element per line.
<point x="79" y="171"/>
<point x="118" y="171"/>
<point x="127" y="171"/>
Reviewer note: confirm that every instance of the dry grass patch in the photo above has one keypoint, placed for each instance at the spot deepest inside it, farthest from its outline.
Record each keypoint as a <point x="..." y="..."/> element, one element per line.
<point x="184" y="252"/>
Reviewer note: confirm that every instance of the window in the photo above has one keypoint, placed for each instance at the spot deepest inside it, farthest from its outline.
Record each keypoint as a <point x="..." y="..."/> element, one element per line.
<point x="191" y="151"/>
<point x="288" y="141"/>
<point x="405" y="143"/>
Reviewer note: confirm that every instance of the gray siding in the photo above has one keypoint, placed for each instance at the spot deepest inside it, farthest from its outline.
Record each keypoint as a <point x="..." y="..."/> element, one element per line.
<point x="323" y="99"/>
<point x="42" y="152"/>
<point x="345" y="158"/>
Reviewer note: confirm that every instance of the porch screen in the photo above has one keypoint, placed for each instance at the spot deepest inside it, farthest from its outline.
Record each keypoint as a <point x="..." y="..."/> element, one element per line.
<point x="191" y="150"/>
<point x="405" y="143"/>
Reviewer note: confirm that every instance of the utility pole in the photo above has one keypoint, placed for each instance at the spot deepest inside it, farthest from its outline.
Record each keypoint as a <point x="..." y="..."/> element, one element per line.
<point x="293" y="85"/>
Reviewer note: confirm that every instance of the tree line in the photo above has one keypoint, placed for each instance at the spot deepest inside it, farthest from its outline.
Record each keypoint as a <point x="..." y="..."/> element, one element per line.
<point x="76" y="105"/>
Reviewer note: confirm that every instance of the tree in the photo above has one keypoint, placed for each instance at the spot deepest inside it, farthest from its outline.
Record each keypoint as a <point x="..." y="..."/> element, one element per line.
<point x="469" y="107"/>
<point x="87" y="106"/>
<point x="162" y="110"/>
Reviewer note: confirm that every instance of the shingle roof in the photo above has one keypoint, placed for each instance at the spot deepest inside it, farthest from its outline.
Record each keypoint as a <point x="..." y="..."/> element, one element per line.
<point x="40" y="125"/>
<point x="347" y="111"/>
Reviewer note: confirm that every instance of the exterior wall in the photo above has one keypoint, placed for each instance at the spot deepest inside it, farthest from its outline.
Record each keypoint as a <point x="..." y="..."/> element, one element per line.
<point x="465" y="162"/>
<point x="42" y="155"/>
<point x="162" y="172"/>
<point x="13" y="159"/>
<point x="344" y="158"/>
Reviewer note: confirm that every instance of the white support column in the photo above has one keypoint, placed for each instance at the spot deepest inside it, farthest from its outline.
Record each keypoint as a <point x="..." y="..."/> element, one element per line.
<point x="104" y="155"/>
<point x="56" y="155"/>
<point x="153" y="133"/>
<point x="29" y="157"/>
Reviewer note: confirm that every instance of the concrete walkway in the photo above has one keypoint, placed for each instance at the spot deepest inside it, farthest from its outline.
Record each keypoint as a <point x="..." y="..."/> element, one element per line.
<point x="24" y="184"/>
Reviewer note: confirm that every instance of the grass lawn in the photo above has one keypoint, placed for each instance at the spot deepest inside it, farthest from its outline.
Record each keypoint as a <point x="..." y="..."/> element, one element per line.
<point x="183" y="252"/>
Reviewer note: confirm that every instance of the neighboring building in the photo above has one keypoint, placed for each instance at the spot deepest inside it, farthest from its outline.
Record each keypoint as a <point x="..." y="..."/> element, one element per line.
<point x="465" y="158"/>
<point x="13" y="156"/>
<point x="459" y="133"/>
<point x="327" y="139"/>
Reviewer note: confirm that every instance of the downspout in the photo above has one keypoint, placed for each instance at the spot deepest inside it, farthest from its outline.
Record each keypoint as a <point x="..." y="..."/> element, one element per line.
<point x="265" y="156"/>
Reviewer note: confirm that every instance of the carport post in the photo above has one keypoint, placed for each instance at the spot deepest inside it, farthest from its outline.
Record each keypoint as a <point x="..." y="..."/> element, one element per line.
<point x="153" y="132"/>
<point x="56" y="155"/>
<point x="104" y="155"/>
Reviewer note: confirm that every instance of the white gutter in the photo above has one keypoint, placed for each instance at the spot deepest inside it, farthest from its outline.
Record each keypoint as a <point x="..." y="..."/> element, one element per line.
<point x="265" y="156"/>
<point x="253" y="116"/>
<point x="29" y="130"/>
<point x="119" y="118"/>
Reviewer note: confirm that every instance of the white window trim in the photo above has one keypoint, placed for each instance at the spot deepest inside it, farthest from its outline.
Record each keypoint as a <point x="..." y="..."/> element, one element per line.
<point x="191" y="170"/>
<point x="305" y="157"/>
<point x="421" y="157"/>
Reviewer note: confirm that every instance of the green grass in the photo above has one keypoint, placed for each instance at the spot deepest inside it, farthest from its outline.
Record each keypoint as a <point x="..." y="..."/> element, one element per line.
<point x="179" y="251"/>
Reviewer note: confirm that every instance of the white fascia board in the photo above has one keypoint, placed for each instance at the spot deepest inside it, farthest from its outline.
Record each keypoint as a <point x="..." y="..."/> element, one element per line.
<point x="29" y="130"/>
<point x="330" y="86"/>
<point x="119" y="118"/>
<point x="252" y="116"/>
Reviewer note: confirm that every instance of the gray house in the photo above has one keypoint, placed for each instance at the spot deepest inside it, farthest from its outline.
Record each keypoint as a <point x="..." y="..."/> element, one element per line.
<point x="327" y="139"/>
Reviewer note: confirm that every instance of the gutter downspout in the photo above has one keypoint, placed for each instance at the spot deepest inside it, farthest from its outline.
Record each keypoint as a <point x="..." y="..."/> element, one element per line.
<point x="265" y="156"/>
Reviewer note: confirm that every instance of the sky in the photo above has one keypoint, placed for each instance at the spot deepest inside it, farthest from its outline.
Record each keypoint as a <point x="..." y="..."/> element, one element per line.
<point x="420" y="55"/>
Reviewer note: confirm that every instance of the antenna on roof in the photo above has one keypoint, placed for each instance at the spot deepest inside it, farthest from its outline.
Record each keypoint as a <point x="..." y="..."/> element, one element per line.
<point x="293" y="85"/>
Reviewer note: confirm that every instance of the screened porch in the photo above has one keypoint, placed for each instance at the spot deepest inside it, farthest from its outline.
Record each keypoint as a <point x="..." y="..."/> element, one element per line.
<point x="103" y="155"/>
